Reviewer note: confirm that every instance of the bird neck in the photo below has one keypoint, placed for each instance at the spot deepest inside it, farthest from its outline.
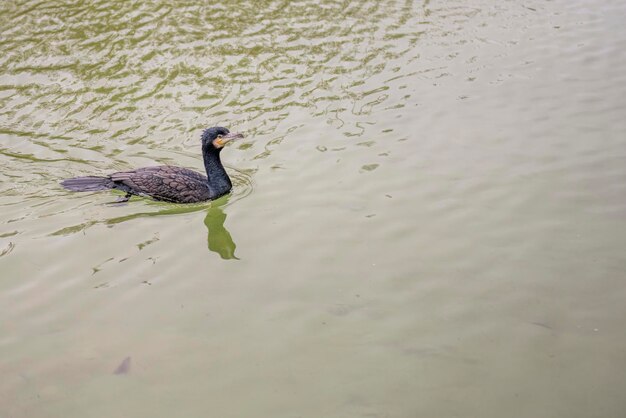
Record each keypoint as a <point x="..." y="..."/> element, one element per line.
<point x="218" y="181"/>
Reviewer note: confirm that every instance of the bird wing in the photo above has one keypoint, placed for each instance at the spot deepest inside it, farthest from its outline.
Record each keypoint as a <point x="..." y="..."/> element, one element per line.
<point x="169" y="183"/>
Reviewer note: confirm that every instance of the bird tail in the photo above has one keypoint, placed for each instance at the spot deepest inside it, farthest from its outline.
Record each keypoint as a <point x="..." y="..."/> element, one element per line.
<point x="88" y="184"/>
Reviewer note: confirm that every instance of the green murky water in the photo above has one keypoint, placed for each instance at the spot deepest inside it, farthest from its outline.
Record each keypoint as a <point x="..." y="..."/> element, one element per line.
<point x="428" y="217"/>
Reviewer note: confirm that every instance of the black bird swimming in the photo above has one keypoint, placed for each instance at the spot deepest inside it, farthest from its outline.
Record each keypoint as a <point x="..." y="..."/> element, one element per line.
<point x="166" y="182"/>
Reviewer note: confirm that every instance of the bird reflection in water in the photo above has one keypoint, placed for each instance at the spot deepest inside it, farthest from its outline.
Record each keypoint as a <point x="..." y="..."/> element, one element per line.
<point x="219" y="239"/>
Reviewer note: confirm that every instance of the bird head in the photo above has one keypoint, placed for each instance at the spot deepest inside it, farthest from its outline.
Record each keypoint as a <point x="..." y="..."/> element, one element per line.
<point x="216" y="137"/>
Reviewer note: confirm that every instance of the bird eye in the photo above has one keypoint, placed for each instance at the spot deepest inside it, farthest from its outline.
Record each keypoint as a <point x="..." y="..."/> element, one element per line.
<point x="220" y="136"/>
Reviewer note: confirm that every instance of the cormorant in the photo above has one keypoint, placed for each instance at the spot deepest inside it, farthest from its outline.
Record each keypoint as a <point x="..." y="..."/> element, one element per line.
<point x="169" y="183"/>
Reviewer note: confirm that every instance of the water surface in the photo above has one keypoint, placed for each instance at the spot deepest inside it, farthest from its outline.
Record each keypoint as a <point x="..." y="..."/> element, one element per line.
<point x="427" y="220"/>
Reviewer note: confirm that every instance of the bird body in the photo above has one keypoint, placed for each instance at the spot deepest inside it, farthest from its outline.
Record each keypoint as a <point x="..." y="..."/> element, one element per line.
<point x="169" y="183"/>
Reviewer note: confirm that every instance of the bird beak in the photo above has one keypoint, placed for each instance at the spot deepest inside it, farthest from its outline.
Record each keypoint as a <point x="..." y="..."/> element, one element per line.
<point x="220" y="142"/>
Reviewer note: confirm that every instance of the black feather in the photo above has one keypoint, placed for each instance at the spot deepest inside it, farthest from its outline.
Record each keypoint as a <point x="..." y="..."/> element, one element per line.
<point x="88" y="184"/>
